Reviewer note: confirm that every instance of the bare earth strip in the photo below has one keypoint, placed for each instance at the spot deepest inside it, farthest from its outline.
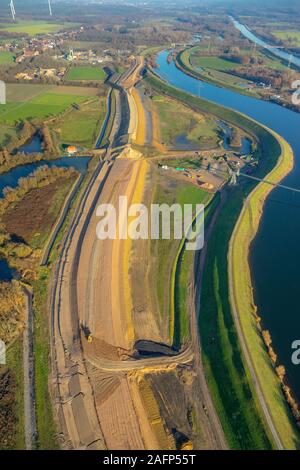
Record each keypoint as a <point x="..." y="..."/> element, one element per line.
<point x="102" y="284"/>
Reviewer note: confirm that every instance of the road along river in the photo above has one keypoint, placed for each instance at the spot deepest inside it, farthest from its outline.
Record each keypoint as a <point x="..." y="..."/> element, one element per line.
<point x="275" y="252"/>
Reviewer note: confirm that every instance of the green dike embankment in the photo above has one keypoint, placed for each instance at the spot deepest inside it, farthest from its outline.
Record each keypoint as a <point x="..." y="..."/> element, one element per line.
<point x="182" y="270"/>
<point x="227" y="372"/>
<point x="242" y="302"/>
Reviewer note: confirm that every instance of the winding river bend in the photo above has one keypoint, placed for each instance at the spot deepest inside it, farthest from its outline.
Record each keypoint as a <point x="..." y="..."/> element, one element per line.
<point x="275" y="252"/>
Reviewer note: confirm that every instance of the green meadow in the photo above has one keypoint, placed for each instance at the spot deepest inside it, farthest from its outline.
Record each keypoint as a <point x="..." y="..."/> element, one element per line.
<point x="86" y="73"/>
<point x="83" y="126"/>
<point x="214" y="63"/>
<point x="35" y="27"/>
<point x="39" y="103"/>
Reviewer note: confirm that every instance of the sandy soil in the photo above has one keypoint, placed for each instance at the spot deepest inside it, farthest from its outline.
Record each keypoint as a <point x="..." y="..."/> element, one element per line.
<point x="104" y="300"/>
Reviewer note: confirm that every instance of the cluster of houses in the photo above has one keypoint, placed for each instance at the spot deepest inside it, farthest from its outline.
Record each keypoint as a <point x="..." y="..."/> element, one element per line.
<point x="27" y="48"/>
<point x="31" y="47"/>
<point x="40" y="73"/>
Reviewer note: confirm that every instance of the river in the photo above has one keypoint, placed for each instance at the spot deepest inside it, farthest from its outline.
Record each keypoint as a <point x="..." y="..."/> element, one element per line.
<point x="274" y="50"/>
<point x="275" y="252"/>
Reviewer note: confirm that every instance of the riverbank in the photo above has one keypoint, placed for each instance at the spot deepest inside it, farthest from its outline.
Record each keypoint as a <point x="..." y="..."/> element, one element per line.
<point x="182" y="62"/>
<point x="242" y="302"/>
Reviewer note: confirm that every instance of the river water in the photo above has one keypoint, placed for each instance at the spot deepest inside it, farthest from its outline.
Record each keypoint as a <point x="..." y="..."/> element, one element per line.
<point x="275" y="252"/>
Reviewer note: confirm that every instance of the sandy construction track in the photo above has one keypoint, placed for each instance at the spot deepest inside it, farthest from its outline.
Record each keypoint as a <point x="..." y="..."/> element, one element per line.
<point x="102" y="400"/>
<point x="103" y="290"/>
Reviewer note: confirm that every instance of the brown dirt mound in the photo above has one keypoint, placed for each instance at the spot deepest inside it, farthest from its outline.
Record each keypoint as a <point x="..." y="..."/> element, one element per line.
<point x="34" y="213"/>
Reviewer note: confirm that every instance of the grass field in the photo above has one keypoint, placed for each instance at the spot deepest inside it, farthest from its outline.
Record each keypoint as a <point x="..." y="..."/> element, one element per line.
<point x="15" y="364"/>
<point x="290" y="36"/>
<point x="33" y="28"/>
<point x="86" y="73"/>
<point x="213" y="62"/>
<point x="218" y="77"/>
<point x="6" y="58"/>
<point x="82" y="126"/>
<point x="236" y="403"/>
<point x="74" y="90"/>
<point x="19" y="93"/>
<point x="35" y="102"/>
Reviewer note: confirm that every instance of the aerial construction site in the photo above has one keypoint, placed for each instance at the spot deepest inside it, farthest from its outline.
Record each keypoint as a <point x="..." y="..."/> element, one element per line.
<point x="118" y="381"/>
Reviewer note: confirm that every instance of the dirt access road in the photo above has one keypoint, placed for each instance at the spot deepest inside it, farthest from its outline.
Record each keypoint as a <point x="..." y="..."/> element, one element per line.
<point x="99" y="400"/>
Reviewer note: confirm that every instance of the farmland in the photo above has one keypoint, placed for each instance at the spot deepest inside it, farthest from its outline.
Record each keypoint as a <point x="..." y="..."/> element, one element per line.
<point x="33" y="28"/>
<point x="85" y="73"/>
